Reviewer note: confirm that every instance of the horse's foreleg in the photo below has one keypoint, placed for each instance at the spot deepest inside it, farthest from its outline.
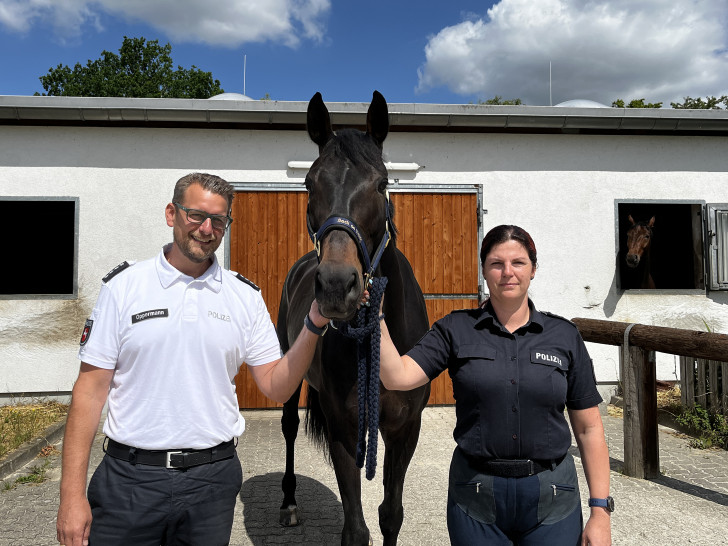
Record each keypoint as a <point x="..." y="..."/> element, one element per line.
<point x="400" y="445"/>
<point x="348" y="476"/>
<point x="289" y="515"/>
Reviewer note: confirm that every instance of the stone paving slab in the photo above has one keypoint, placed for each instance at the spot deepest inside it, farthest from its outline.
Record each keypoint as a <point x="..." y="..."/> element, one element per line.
<point x="687" y="504"/>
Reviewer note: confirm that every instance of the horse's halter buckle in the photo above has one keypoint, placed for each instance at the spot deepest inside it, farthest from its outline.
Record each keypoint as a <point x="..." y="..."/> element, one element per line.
<point x="347" y="224"/>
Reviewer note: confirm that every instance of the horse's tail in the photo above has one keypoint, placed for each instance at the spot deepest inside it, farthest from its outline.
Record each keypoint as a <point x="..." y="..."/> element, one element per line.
<point x="315" y="422"/>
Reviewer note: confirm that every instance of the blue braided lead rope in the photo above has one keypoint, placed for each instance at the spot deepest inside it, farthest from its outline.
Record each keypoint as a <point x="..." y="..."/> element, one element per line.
<point x="367" y="333"/>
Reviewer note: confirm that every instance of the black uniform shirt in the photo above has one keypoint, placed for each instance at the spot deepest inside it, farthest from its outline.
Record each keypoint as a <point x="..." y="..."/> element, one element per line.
<point x="510" y="389"/>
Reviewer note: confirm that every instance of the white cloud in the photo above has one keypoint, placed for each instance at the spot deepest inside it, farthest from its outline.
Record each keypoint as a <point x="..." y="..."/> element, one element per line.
<point x="66" y="16"/>
<point x="224" y="23"/>
<point x="659" y="50"/>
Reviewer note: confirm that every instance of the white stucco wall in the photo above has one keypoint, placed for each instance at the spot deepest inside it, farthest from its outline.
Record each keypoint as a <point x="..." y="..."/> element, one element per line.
<point x="561" y="188"/>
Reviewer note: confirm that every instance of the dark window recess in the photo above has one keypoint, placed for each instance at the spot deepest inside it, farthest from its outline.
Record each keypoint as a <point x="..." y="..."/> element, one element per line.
<point x="673" y="259"/>
<point x="43" y="264"/>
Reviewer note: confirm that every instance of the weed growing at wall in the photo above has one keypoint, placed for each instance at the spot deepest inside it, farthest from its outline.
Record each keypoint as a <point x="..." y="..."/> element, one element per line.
<point x="711" y="428"/>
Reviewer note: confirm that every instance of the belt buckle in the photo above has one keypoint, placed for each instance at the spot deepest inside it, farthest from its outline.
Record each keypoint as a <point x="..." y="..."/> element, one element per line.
<point x="531" y="468"/>
<point x="169" y="458"/>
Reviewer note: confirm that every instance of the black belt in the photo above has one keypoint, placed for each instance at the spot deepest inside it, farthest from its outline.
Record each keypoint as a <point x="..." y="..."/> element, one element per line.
<point x="175" y="458"/>
<point x="513" y="468"/>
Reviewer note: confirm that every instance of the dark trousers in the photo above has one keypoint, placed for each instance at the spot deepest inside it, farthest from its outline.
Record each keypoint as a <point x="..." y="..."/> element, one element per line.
<point x="539" y="510"/>
<point x="152" y="506"/>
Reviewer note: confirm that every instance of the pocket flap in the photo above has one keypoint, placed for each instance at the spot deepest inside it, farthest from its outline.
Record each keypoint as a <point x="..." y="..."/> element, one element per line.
<point x="475" y="350"/>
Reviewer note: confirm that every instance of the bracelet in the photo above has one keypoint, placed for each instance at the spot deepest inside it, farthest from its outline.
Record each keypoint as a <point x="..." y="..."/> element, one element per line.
<point x="311" y="326"/>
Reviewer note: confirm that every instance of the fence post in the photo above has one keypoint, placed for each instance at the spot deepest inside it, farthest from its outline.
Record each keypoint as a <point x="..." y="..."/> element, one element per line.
<point x="641" y="442"/>
<point x="713" y="386"/>
<point x="724" y="390"/>
<point x="701" y="387"/>
<point x="687" y="381"/>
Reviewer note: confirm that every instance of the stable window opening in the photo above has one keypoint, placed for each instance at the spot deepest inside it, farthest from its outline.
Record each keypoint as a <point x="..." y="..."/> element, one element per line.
<point x="45" y="266"/>
<point x="672" y="245"/>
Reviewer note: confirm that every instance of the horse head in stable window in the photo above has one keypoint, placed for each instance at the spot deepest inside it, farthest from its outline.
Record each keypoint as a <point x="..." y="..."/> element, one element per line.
<point x="637" y="258"/>
<point x="349" y="219"/>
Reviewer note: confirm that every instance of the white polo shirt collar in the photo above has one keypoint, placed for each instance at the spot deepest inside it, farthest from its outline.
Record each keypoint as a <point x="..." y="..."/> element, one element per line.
<point x="168" y="274"/>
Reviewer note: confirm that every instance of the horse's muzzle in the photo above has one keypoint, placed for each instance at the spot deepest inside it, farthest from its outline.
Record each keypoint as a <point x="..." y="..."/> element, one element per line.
<point x="338" y="291"/>
<point x="632" y="260"/>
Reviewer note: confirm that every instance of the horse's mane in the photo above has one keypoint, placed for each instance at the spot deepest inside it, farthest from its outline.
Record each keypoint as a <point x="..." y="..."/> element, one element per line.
<point x="354" y="145"/>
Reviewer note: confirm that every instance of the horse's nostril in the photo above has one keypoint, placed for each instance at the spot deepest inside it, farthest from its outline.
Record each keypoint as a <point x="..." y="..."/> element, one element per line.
<point x="353" y="285"/>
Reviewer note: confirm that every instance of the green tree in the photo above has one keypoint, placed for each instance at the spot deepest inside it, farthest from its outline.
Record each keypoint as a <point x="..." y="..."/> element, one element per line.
<point x="710" y="103"/>
<point x="498" y="100"/>
<point x="636" y="103"/>
<point x="142" y="69"/>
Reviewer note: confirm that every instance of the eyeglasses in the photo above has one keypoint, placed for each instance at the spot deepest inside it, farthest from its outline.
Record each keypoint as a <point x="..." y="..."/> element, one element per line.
<point x="195" y="216"/>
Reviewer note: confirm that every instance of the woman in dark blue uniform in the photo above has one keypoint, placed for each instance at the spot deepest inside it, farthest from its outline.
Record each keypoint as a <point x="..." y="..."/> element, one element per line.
<point x="514" y="370"/>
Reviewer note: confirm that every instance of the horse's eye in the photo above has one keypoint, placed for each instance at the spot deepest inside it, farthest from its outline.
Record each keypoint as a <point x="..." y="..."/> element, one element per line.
<point x="382" y="185"/>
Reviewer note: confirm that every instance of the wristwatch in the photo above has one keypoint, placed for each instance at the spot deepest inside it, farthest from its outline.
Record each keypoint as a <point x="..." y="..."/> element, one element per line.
<point x="607" y="503"/>
<point x="315" y="329"/>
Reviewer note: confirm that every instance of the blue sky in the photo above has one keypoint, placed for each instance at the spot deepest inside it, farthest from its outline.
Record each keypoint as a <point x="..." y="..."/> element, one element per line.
<point x="422" y="52"/>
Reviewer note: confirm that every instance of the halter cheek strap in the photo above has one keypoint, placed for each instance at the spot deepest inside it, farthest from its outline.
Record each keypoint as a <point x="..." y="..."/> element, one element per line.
<point x="347" y="224"/>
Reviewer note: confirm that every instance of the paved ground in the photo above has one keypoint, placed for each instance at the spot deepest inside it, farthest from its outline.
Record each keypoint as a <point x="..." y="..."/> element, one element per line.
<point x="688" y="504"/>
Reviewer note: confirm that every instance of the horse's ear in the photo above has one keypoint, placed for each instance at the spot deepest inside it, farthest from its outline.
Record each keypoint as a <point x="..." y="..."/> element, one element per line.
<point x="318" y="122"/>
<point x="652" y="222"/>
<point x="631" y="221"/>
<point x="378" y="118"/>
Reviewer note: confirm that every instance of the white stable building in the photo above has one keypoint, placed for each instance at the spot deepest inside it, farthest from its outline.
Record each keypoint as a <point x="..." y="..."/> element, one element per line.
<point x="85" y="181"/>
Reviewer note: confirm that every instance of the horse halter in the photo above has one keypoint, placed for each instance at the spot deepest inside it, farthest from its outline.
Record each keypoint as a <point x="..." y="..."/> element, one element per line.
<point x="347" y="224"/>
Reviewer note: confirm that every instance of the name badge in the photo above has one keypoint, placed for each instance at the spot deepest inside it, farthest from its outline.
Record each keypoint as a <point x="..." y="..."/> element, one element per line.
<point x="153" y="313"/>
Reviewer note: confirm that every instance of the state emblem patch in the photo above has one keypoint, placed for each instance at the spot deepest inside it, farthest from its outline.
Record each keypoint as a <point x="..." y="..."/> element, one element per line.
<point x="86" y="331"/>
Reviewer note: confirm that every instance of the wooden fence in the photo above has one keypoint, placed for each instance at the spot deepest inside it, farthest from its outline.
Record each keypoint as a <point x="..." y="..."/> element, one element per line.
<point x="704" y="382"/>
<point x="637" y="371"/>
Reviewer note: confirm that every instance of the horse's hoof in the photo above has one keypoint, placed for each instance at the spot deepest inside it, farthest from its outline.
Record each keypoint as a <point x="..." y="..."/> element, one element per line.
<point x="289" y="516"/>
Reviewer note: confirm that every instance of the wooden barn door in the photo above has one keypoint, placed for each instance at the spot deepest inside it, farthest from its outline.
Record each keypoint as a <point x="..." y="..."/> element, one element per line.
<point x="438" y="232"/>
<point x="267" y="236"/>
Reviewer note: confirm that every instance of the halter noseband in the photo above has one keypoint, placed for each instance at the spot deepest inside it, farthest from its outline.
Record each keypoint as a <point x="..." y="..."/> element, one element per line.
<point x="347" y="224"/>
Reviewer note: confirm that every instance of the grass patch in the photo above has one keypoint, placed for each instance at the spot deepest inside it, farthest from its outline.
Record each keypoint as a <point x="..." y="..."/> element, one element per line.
<point x="23" y="422"/>
<point x="36" y="475"/>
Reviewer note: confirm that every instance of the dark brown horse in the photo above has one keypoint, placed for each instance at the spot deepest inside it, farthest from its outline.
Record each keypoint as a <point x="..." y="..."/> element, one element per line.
<point x="639" y="239"/>
<point x="350" y="220"/>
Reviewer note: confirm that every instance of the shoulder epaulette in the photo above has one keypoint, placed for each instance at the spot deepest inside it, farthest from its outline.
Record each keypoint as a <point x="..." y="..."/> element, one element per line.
<point x="247" y="281"/>
<point x="554" y="315"/>
<point x="114" y="272"/>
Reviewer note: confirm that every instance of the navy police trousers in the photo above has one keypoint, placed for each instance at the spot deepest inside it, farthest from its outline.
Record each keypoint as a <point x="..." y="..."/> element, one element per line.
<point x="539" y="510"/>
<point x="144" y="505"/>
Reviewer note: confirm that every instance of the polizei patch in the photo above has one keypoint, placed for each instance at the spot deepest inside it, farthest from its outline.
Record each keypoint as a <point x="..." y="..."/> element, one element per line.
<point x="86" y="331"/>
<point x="153" y="313"/>
<point x="543" y="357"/>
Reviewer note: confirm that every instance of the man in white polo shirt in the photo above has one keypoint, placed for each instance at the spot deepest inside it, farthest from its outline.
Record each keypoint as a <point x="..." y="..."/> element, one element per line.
<point x="163" y="345"/>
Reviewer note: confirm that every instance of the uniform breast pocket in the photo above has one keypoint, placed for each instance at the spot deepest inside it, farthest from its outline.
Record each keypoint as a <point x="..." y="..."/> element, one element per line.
<point x="549" y="369"/>
<point x="476" y="351"/>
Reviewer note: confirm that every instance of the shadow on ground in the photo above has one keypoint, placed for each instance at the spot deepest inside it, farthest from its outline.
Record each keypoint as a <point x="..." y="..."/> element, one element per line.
<point x="321" y="511"/>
